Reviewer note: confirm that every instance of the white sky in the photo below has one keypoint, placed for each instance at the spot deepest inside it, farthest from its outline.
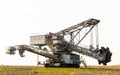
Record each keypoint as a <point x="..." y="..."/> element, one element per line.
<point x="20" y="18"/>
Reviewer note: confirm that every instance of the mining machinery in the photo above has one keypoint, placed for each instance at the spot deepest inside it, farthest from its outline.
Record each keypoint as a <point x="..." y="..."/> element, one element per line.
<point x="64" y="49"/>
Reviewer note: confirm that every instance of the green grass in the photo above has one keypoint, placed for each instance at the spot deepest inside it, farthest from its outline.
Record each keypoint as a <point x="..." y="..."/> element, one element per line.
<point x="33" y="70"/>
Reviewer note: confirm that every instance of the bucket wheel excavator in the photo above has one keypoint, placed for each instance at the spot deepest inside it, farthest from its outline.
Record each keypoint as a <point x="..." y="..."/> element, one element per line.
<point x="65" y="49"/>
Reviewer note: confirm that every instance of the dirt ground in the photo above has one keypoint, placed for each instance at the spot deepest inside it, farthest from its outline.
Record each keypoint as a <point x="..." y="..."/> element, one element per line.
<point x="37" y="70"/>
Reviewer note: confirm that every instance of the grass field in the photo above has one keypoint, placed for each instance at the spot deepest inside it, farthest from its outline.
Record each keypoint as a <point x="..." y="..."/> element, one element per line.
<point x="33" y="70"/>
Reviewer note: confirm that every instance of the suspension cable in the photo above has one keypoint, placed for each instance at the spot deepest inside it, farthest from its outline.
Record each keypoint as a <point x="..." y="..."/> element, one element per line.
<point x="97" y="37"/>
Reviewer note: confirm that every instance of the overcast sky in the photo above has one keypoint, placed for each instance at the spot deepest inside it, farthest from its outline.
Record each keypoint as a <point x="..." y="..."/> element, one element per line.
<point x="20" y="18"/>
